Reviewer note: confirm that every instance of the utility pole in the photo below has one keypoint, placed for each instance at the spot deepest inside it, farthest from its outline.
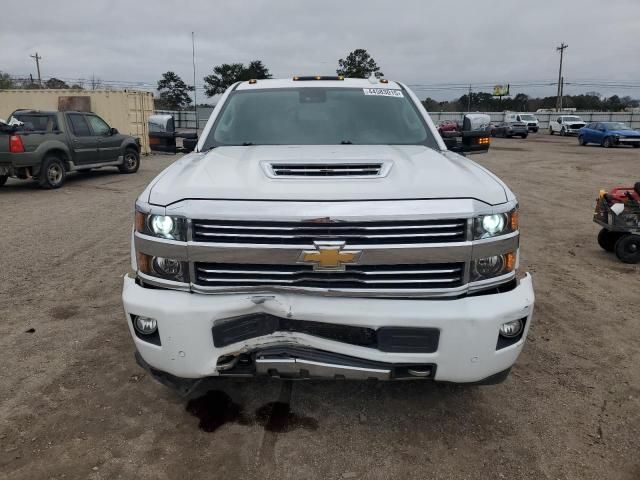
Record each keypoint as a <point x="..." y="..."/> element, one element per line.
<point x="37" y="58"/>
<point x="561" y="91"/>
<point x="559" y="97"/>
<point x="195" y="96"/>
<point x="469" y="100"/>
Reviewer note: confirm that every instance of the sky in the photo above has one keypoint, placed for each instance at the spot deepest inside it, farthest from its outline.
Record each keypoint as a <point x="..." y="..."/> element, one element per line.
<point x="436" y="47"/>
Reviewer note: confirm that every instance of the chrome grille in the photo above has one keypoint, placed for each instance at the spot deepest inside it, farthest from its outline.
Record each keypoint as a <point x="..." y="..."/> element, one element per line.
<point x="354" y="233"/>
<point x="427" y="276"/>
<point x="326" y="169"/>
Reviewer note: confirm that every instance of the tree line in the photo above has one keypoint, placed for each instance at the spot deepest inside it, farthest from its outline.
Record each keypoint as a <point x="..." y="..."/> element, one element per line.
<point x="486" y="102"/>
<point x="174" y="93"/>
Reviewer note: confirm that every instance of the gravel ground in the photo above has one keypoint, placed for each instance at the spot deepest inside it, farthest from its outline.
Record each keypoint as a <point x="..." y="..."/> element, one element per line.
<point x="73" y="403"/>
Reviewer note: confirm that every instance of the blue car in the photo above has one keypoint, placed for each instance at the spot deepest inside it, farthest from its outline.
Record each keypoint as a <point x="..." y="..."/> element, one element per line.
<point x="608" y="134"/>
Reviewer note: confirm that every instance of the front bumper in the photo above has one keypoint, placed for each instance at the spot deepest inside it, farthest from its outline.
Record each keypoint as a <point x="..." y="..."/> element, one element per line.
<point x="466" y="351"/>
<point x="628" y="141"/>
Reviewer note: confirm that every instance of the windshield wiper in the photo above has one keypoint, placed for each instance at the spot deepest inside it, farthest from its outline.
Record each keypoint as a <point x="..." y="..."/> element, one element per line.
<point x="247" y="144"/>
<point x="346" y="142"/>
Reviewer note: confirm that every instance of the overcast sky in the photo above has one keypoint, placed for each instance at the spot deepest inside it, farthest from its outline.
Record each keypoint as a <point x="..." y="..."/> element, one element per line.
<point x="417" y="42"/>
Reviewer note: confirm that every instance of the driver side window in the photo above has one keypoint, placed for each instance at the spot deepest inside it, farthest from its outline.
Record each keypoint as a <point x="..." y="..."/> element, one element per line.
<point x="98" y="125"/>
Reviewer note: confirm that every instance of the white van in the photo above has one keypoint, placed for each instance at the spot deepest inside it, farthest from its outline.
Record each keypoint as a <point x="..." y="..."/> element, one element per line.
<point x="528" y="118"/>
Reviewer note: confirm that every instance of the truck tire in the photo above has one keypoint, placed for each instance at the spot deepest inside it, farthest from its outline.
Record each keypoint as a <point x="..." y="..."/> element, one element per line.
<point x="607" y="142"/>
<point x="628" y="248"/>
<point x="563" y="132"/>
<point x="131" y="161"/>
<point x="607" y="239"/>
<point x="524" y="136"/>
<point x="550" y="131"/>
<point x="3" y="179"/>
<point x="52" y="173"/>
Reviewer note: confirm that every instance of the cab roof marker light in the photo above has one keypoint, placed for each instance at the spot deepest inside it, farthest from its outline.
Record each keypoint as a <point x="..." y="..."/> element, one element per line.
<point x="297" y="78"/>
<point x="252" y="81"/>
<point x="384" y="80"/>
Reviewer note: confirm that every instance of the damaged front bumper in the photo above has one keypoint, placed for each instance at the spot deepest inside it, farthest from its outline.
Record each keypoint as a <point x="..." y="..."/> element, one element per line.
<point x="290" y="335"/>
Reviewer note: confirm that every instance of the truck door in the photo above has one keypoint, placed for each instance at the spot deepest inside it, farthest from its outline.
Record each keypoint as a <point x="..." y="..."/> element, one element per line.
<point x="83" y="142"/>
<point x="108" y="143"/>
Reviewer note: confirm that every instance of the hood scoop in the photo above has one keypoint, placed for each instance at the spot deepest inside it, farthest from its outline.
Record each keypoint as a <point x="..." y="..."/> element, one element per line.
<point x="327" y="169"/>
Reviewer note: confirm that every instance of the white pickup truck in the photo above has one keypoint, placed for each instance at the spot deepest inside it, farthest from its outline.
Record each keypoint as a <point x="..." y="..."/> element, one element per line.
<point x="322" y="229"/>
<point x="565" y="125"/>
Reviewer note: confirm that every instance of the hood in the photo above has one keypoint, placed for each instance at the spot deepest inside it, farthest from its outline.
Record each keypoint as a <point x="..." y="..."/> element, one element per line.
<point x="242" y="173"/>
<point x="625" y="133"/>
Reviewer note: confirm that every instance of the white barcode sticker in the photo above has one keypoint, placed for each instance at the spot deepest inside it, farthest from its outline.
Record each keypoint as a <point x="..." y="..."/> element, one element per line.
<point x="383" y="92"/>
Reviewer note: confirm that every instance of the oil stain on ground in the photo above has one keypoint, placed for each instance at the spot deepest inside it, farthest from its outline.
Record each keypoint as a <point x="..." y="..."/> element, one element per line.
<point x="216" y="408"/>
<point x="278" y="417"/>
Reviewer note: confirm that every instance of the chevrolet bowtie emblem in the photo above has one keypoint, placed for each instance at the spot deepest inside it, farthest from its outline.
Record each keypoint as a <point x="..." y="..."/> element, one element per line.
<point x="329" y="256"/>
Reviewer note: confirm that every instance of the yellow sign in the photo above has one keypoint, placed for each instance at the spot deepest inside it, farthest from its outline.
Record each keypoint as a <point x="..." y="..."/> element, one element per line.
<point x="500" y="90"/>
<point x="330" y="256"/>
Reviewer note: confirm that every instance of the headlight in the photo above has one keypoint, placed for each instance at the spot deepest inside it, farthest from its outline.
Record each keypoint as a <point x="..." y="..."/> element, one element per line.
<point x="494" y="266"/>
<point x="165" y="268"/>
<point x="487" y="226"/>
<point x="162" y="226"/>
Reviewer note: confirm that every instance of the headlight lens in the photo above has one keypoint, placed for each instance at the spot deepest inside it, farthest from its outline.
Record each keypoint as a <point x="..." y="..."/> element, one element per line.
<point x="487" y="226"/>
<point x="493" y="224"/>
<point x="495" y="266"/>
<point x="162" y="226"/>
<point x="165" y="268"/>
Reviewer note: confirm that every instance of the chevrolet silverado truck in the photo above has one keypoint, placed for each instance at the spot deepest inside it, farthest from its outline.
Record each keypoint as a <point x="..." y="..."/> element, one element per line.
<point x="45" y="146"/>
<point x="321" y="229"/>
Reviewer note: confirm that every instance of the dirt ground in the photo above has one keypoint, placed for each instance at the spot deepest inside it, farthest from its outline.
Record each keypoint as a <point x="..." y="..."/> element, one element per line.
<point x="74" y="404"/>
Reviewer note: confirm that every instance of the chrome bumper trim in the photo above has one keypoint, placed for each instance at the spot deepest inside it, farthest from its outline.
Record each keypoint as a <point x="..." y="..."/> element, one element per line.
<point x="297" y="368"/>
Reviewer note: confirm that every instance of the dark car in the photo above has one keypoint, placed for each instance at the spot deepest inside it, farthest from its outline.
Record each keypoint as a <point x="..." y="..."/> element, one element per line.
<point x="45" y="146"/>
<point x="510" y="129"/>
<point x="608" y="134"/>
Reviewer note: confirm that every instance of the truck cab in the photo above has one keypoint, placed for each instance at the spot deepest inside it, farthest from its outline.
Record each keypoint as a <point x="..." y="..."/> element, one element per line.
<point x="322" y="229"/>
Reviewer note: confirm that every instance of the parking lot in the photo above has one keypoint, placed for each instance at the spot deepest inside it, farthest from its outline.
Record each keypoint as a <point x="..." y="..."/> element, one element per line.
<point x="74" y="404"/>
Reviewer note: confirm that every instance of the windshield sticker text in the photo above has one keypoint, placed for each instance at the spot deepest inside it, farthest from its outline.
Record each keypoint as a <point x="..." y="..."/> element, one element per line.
<point x="383" y="92"/>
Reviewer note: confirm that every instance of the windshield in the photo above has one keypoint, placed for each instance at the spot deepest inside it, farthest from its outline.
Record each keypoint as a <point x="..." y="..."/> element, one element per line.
<point x="615" y="126"/>
<point x="319" y="116"/>
<point x="571" y="119"/>
<point x="527" y="117"/>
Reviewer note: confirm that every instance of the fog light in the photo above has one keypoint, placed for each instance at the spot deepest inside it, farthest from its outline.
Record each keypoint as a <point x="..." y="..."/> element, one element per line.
<point x="511" y="329"/>
<point x="145" y="325"/>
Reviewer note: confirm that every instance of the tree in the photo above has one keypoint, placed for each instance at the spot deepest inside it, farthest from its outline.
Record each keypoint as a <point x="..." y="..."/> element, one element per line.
<point x="5" y="81"/>
<point x="431" y="105"/>
<point x="227" y="74"/>
<point x="358" y="64"/>
<point x="55" y="83"/>
<point x="173" y="91"/>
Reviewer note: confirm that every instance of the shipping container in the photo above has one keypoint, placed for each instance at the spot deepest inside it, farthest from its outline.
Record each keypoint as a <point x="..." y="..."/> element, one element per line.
<point x="126" y="110"/>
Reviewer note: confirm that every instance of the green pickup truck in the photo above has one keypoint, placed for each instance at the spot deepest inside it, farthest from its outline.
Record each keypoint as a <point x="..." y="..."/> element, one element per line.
<point x="45" y="146"/>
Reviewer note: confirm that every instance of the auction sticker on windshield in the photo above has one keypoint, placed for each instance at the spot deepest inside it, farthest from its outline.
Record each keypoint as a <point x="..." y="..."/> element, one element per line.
<point x="383" y="92"/>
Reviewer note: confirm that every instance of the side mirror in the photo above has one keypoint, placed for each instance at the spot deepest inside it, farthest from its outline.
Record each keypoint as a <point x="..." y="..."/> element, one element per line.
<point x="113" y="131"/>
